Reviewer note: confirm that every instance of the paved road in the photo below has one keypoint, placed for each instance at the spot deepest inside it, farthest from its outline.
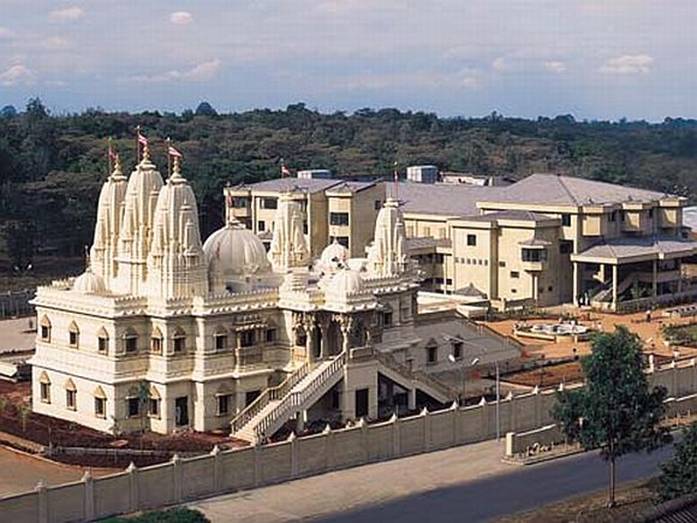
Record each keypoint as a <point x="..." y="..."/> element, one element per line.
<point x="466" y="483"/>
<point x="493" y="497"/>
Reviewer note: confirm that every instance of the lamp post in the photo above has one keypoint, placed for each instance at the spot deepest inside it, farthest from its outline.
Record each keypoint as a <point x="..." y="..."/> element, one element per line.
<point x="452" y="359"/>
<point x="473" y="363"/>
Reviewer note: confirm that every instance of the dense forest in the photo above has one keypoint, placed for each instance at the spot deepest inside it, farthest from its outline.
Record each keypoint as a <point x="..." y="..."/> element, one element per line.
<point x="51" y="166"/>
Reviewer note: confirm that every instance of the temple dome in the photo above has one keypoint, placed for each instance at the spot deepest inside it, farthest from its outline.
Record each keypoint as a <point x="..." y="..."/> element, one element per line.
<point x="234" y="251"/>
<point x="345" y="283"/>
<point x="334" y="254"/>
<point x="89" y="283"/>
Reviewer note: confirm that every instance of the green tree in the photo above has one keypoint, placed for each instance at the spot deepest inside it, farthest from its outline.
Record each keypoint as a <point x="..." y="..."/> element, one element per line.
<point x="679" y="475"/>
<point x="143" y="404"/>
<point x="616" y="411"/>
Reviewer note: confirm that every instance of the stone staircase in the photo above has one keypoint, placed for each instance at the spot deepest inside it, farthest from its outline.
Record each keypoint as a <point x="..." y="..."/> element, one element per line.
<point x="276" y="405"/>
<point x="408" y="378"/>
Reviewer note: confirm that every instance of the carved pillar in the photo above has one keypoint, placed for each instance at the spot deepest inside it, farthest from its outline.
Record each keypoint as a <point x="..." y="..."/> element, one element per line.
<point x="346" y="325"/>
<point x="324" y="331"/>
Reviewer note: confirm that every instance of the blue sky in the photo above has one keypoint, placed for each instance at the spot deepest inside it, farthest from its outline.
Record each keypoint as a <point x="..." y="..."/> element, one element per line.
<point x="601" y="59"/>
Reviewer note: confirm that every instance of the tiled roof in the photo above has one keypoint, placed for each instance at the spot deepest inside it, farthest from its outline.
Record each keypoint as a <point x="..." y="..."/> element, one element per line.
<point x="440" y="198"/>
<point x="350" y="187"/>
<point x="625" y="247"/>
<point x="529" y="216"/>
<point x="310" y="185"/>
<point x="566" y="190"/>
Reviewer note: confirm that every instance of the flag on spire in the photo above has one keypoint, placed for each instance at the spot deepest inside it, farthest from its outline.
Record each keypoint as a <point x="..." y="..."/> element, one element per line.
<point x="173" y="152"/>
<point x="142" y="140"/>
<point x="284" y="170"/>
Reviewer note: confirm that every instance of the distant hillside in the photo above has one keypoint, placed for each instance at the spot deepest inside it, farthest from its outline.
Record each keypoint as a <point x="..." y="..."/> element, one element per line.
<point x="51" y="167"/>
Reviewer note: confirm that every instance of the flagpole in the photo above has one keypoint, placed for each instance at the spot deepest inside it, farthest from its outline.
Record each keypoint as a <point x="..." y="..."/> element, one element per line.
<point x="169" y="158"/>
<point x="108" y="157"/>
<point x="137" y="144"/>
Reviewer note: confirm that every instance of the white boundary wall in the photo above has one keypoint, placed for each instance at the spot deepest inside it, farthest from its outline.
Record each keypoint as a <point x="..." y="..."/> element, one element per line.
<point x="220" y="472"/>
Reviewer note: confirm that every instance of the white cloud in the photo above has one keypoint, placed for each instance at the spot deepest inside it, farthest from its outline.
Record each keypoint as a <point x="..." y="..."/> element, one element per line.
<point x="555" y="66"/>
<point x="499" y="64"/>
<point x="181" y="18"/>
<point x="55" y="43"/>
<point x="17" y="74"/>
<point x="465" y="78"/>
<point x="66" y="15"/>
<point x="5" y="33"/>
<point x="628" y="64"/>
<point x="199" y="73"/>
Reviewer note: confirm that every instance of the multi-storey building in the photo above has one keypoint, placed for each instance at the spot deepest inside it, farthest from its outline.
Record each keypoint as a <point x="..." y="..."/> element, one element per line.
<point x="338" y="210"/>
<point x="544" y="240"/>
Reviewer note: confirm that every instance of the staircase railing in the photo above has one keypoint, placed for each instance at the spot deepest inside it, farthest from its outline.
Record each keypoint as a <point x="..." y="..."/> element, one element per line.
<point x="295" y="399"/>
<point x="268" y="395"/>
<point x="389" y="361"/>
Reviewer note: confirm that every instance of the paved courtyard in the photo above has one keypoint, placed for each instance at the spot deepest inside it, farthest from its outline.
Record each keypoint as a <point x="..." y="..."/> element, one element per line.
<point x="16" y="335"/>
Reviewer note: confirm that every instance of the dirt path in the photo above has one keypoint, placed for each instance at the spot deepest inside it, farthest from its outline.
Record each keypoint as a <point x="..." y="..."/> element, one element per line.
<point x="22" y="472"/>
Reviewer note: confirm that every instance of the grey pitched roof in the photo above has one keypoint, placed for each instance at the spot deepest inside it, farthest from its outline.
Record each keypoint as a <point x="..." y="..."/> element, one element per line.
<point x="310" y="185"/>
<point x="437" y="198"/>
<point x="529" y="216"/>
<point x="627" y="247"/>
<point x="567" y="190"/>
<point x="350" y="187"/>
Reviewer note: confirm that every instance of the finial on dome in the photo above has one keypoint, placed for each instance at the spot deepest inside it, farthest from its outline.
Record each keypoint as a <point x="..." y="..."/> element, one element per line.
<point x="117" y="166"/>
<point x="176" y="169"/>
<point x="88" y="264"/>
<point x="146" y="152"/>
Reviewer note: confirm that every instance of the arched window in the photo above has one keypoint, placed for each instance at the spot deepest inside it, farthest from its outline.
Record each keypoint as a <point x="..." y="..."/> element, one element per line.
<point x="74" y="335"/>
<point x="45" y="387"/>
<point x="130" y="340"/>
<point x="45" y="329"/>
<point x="220" y="338"/>
<point x="179" y="340"/>
<point x="223" y="399"/>
<point x="156" y="341"/>
<point x="102" y="341"/>
<point x="70" y="395"/>
<point x="154" y="402"/>
<point x="99" y="402"/>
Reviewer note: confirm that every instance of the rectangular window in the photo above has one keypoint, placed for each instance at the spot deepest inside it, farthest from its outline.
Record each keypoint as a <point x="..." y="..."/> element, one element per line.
<point x="250" y="396"/>
<point x="154" y="407"/>
<point x="239" y="202"/>
<point x="46" y="392"/>
<point x="613" y="216"/>
<point x="471" y="240"/>
<point x="270" y="335"/>
<point x="156" y="345"/>
<point x="179" y="343"/>
<point x="220" y="342"/>
<point x="133" y="406"/>
<point x="534" y="255"/>
<point x="566" y="220"/>
<point x="70" y="399"/>
<point x="223" y="405"/>
<point x="269" y="203"/>
<point x="448" y="281"/>
<point x="427" y="231"/>
<point x="515" y="274"/>
<point x="261" y="225"/>
<point x="74" y="338"/>
<point x="131" y="343"/>
<point x="387" y="318"/>
<point x="100" y="407"/>
<point x="650" y="214"/>
<point x="341" y="240"/>
<point x="338" y="218"/>
<point x="502" y="264"/>
<point x="103" y="344"/>
<point x="431" y="354"/>
<point x="566" y="247"/>
<point x="457" y="350"/>
<point x="305" y="229"/>
<point x="247" y="338"/>
<point x="378" y="205"/>
<point x="45" y="333"/>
